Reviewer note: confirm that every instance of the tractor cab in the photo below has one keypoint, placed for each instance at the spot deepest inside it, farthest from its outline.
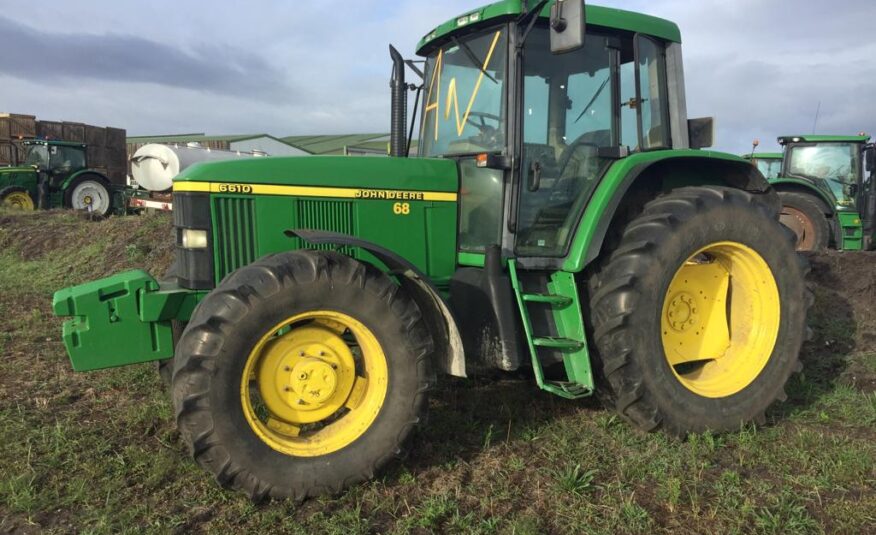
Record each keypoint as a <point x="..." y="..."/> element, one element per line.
<point x="534" y="128"/>
<point x="58" y="159"/>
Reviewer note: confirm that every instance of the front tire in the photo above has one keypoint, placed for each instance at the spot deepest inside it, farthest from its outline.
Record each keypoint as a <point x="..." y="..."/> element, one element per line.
<point x="699" y="313"/>
<point x="803" y="214"/>
<point x="17" y="198"/>
<point x="300" y="375"/>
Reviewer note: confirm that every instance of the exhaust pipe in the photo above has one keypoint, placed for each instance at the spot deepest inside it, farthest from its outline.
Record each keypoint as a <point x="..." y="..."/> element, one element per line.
<point x="399" y="121"/>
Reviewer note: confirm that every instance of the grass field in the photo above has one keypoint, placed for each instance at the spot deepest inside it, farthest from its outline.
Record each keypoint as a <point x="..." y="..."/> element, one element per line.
<point x="98" y="452"/>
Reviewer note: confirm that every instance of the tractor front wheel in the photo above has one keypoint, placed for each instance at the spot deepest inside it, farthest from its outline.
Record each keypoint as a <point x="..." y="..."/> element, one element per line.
<point x="16" y="198"/>
<point x="700" y="312"/>
<point x="300" y="375"/>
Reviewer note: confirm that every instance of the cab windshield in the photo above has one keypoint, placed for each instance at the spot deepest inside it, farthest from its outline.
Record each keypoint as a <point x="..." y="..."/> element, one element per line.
<point x="837" y="164"/>
<point x="37" y="155"/>
<point x="464" y="109"/>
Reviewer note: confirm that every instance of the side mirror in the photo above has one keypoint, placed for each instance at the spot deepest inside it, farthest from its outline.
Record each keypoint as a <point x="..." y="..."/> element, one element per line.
<point x="870" y="157"/>
<point x="701" y="132"/>
<point x="568" y="25"/>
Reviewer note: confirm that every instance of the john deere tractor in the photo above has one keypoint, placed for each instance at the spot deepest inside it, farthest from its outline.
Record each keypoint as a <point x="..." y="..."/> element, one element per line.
<point x="558" y="217"/>
<point x="827" y="191"/>
<point x="55" y="174"/>
<point x="768" y="163"/>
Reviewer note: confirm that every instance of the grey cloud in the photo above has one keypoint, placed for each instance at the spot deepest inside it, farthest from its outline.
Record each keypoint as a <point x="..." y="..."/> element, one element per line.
<point x="218" y="69"/>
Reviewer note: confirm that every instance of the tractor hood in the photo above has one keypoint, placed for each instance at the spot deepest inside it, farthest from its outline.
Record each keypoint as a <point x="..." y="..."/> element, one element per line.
<point x="16" y="170"/>
<point x="358" y="174"/>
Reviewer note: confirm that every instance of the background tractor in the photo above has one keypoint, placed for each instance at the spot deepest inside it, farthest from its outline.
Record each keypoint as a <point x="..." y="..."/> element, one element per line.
<point x="55" y="174"/>
<point x="768" y="163"/>
<point x="827" y="191"/>
<point x="558" y="217"/>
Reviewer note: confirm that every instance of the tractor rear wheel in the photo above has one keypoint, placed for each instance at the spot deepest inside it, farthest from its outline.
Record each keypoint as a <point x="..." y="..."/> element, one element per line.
<point x="803" y="214"/>
<point x="300" y="375"/>
<point x="89" y="193"/>
<point x="699" y="312"/>
<point x="16" y="198"/>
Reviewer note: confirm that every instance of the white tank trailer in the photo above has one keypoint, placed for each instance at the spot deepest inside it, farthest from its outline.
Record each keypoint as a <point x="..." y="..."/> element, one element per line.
<point x="153" y="166"/>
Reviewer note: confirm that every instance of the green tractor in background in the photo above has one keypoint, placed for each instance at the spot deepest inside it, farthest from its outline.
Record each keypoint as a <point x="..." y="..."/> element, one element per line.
<point x="768" y="163"/>
<point x="55" y="174"/>
<point x="827" y="191"/>
<point x="558" y="218"/>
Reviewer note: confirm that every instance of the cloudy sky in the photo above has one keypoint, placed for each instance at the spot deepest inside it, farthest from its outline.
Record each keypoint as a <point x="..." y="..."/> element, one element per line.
<point x="319" y="67"/>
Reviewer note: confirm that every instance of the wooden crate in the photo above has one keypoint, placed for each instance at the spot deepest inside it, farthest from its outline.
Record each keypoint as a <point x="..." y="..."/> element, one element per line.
<point x="95" y="136"/>
<point x="96" y="156"/>
<point x="50" y="130"/>
<point x="19" y="126"/>
<point x="7" y="153"/>
<point x="73" y="132"/>
<point x="116" y="137"/>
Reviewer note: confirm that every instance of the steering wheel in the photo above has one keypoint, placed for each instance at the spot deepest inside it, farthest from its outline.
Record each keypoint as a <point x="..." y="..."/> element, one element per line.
<point x="488" y="135"/>
<point x="483" y="116"/>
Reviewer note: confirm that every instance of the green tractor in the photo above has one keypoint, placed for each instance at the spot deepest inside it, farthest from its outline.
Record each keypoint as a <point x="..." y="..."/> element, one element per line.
<point x="558" y="217"/>
<point x="55" y="174"/>
<point x="768" y="163"/>
<point x="827" y="191"/>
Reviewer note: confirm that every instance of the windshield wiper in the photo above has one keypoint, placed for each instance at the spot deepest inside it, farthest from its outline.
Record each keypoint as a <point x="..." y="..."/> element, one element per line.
<point x="592" y="100"/>
<point x="473" y="58"/>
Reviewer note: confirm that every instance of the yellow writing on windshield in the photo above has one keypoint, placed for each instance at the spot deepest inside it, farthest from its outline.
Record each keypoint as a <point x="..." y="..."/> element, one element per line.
<point x="452" y="100"/>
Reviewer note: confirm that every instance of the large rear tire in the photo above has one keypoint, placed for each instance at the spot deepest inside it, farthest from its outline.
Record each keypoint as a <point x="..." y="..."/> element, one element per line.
<point x="300" y="375"/>
<point x="699" y="312"/>
<point x="804" y="215"/>
<point x="89" y="193"/>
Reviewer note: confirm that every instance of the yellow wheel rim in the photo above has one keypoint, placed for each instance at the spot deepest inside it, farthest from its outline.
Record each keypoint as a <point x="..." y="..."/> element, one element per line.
<point x="720" y="319"/>
<point x="314" y="383"/>
<point x="18" y="200"/>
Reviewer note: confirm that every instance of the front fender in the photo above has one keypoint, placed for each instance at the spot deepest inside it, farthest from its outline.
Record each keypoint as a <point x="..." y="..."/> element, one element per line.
<point x="437" y="315"/>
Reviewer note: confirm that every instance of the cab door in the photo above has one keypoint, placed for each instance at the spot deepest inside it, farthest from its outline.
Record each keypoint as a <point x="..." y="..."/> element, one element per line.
<point x="582" y="111"/>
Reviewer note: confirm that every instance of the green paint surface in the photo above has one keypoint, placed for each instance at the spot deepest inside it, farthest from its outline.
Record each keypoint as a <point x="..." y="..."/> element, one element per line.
<point x="331" y="171"/>
<point x="607" y="191"/>
<point x="509" y="9"/>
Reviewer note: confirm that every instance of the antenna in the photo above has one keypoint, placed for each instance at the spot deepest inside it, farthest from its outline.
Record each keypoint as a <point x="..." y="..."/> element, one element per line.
<point x="815" y="122"/>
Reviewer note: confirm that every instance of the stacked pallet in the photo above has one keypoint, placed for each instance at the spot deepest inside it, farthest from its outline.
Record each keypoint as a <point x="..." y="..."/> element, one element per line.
<point x="13" y="127"/>
<point x="106" y="146"/>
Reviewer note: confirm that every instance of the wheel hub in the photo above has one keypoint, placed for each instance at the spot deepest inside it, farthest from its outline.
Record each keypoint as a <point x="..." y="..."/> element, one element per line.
<point x="314" y="381"/>
<point x="801" y="225"/>
<point x="306" y="375"/>
<point x="682" y="312"/>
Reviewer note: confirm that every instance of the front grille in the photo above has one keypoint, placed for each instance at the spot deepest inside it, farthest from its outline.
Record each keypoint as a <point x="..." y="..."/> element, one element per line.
<point x="334" y="216"/>
<point x="235" y="237"/>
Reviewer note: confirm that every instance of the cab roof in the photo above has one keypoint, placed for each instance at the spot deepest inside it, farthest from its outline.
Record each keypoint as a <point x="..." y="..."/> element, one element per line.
<point x="813" y="138"/>
<point x="509" y="9"/>
<point x="53" y="142"/>
<point x="763" y="156"/>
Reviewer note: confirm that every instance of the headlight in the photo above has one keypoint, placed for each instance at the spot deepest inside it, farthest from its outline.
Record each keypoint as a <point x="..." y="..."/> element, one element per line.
<point x="194" y="239"/>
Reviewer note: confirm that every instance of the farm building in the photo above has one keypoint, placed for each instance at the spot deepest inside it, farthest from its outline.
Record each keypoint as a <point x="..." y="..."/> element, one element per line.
<point x="243" y="143"/>
<point x="353" y="144"/>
